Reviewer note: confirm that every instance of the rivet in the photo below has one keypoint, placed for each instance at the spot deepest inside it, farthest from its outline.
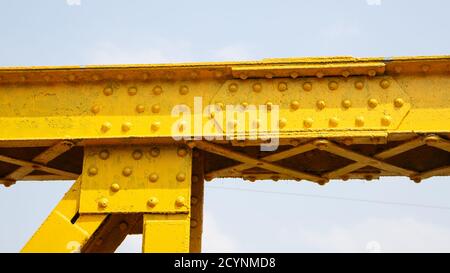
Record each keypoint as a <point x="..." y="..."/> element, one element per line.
<point x="368" y="177"/>
<point x="95" y="77"/>
<point x="103" y="203"/>
<point x="359" y="85"/>
<point x="384" y="84"/>
<point x="322" y="182"/>
<point x="346" y="104"/>
<point x="120" y="77"/>
<point x="184" y="90"/>
<point x="104" y="154"/>
<point x="22" y="78"/>
<point x="295" y="105"/>
<point x="98" y="241"/>
<point x="348" y="141"/>
<point x="108" y="91"/>
<point x="47" y="78"/>
<point x="232" y="87"/>
<point x="93" y="171"/>
<point x="123" y="226"/>
<point x="333" y="85"/>
<point x="359" y="121"/>
<point x="153" y="177"/>
<point x="431" y="139"/>
<point x="194" y="74"/>
<point x="153" y="201"/>
<point x="115" y="187"/>
<point x="398" y="102"/>
<point x="372" y="103"/>
<point x="372" y="73"/>
<point x="137" y="154"/>
<point x="257" y="87"/>
<point x="320" y="75"/>
<point x="345" y="73"/>
<point x="169" y="75"/>
<point x="132" y="91"/>
<point x="155" y="126"/>
<point x="398" y="69"/>
<point x="182" y="152"/>
<point x="95" y="109"/>
<point x="294" y="75"/>
<point x="333" y="122"/>
<point x="416" y="179"/>
<point x="244" y="104"/>
<point x="269" y="105"/>
<point x="425" y="68"/>
<point x="106" y="126"/>
<point x="308" y="122"/>
<point x="195" y="179"/>
<point x="243" y="76"/>
<point x="140" y="108"/>
<point x="294" y="142"/>
<point x="157" y="90"/>
<point x="218" y="74"/>
<point x="126" y="126"/>
<point x="194" y="223"/>
<point x="282" y="123"/>
<point x="256" y="123"/>
<point x="282" y="86"/>
<point x="72" y="78"/>
<point x="386" y="120"/>
<point x="145" y="76"/>
<point x="127" y="171"/>
<point x="269" y="76"/>
<point x="181" y="177"/>
<point x="345" y="177"/>
<point x="180" y="201"/>
<point x="320" y="104"/>
<point x="321" y="144"/>
<point x="154" y="152"/>
<point x="156" y="108"/>
<point x="307" y="86"/>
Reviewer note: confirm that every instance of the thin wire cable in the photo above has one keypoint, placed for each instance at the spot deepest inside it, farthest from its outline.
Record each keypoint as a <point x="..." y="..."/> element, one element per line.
<point x="334" y="198"/>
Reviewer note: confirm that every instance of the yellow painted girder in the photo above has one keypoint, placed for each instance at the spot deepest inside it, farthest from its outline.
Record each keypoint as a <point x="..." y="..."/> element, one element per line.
<point x="330" y="97"/>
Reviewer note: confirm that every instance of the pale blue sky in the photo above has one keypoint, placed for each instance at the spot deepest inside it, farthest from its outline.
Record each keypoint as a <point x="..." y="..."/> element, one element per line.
<point x="98" y="32"/>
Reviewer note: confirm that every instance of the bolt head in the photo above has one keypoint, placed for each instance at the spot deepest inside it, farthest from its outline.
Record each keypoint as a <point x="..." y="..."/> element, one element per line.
<point x="137" y="154"/>
<point x="346" y="104"/>
<point x="108" y="91"/>
<point x="307" y="86"/>
<point x="308" y="122"/>
<point x="295" y="105"/>
<point x="359" y="121"/>
<point x="359" y="85"/>
<point x="95" y="109"/>
<point x="156" y="108"/>
<point x="123" y="226"/>
<point x="115" y="187"/>
<point x="320" y="104"/>
<point x="155" y="125"/>
<point x="180" y="201"/>
<point x="127" y="171"/>
<point x="92" y="171"/>
<point x="126" y="126"/>
<point x="157" y="90"/>
<point x="372" y="103"/>
<point x="132" y="91"/>
<point x="106" y="126"/>
<point x="282" y="123"/>
<point x="184" y="90"/>
<point x="385" y="84"/>
<point x="333" y="122"/>
<point x="181" y="177"/>
<point x="372" y="73"/>
<point x="233" y="87"/>
<point x="103" y="203"/>
<point x="194" y="223"/>
<point x="257" y="87"/>
<point x="195" y="179"/>
<point x="182" y="152"/>
<point x="154" y="152"/>
<point x="152" y="202"/>
<point x="386" y="120"/>
<point x="399" y="102"/>
<point x="153" y="177"/>
<point x="282" y="86"/>
<point x="333" y="85"/>
<point x="140" y="108"/>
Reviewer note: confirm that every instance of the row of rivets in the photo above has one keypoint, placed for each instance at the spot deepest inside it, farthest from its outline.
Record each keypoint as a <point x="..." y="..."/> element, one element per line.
<point x="307" y="86"/>
<point x="180" y="201"/>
